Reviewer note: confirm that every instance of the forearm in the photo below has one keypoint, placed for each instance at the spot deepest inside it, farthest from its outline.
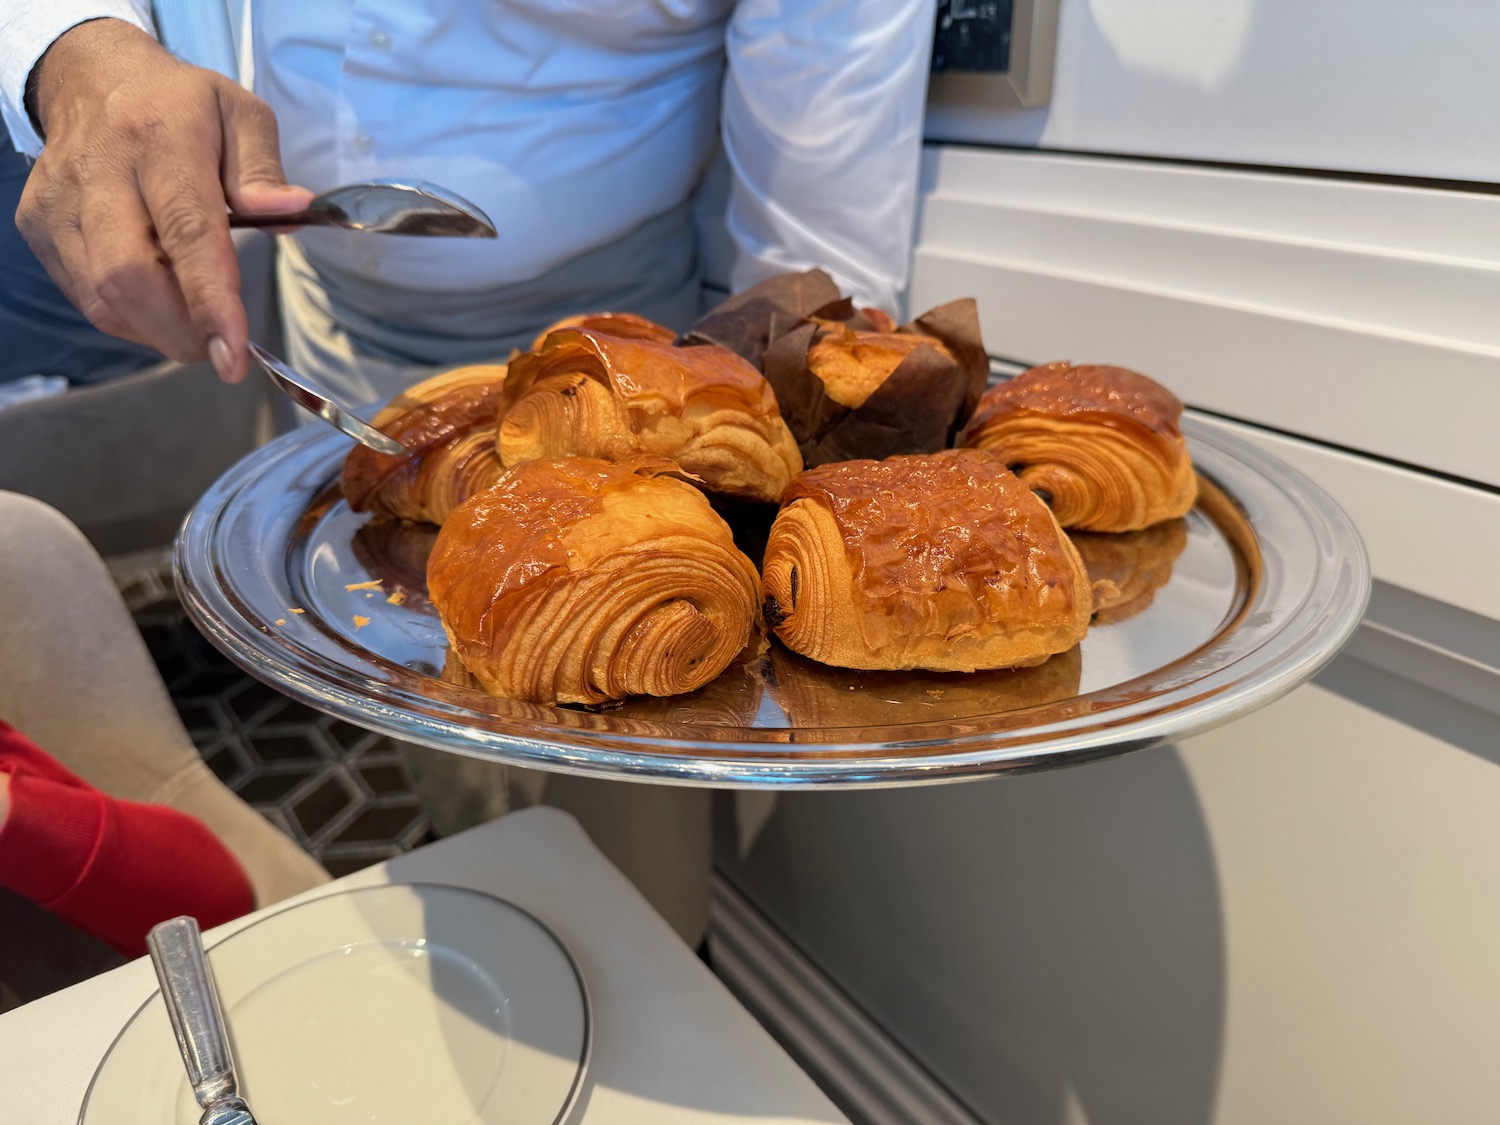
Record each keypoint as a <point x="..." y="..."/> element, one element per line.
<point x="822" y="125"/>
<point x="27" y="29"/>
<point x="111" y="868"/>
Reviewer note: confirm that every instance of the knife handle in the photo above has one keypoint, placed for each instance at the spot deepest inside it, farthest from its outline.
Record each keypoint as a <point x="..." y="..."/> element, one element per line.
<point x="192" y="1000"/>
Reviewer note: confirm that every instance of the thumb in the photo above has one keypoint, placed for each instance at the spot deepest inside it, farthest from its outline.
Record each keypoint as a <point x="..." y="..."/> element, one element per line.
<point x="254" y="182"/>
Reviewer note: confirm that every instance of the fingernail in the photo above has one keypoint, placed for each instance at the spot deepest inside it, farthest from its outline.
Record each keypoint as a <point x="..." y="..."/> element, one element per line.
<point x="222" y="359"/>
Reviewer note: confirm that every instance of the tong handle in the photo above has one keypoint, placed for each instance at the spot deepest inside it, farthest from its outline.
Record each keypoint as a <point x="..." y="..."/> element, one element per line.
<point x="187" y="986"/>
<point x="308" y="218"/>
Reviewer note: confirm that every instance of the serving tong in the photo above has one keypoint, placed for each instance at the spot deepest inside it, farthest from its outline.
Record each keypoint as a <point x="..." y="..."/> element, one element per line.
<point x="408" y="207"/>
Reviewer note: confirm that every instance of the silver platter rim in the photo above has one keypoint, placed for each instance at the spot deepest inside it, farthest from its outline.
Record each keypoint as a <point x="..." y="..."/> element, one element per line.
<point x="1298" y="619"/>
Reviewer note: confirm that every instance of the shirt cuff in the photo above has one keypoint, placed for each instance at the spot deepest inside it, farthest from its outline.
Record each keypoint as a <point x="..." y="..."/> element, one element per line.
<point x="27" y="29"/>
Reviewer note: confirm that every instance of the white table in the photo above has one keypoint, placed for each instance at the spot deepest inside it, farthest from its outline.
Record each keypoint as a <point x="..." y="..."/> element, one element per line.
<point x="671" y="1045"/>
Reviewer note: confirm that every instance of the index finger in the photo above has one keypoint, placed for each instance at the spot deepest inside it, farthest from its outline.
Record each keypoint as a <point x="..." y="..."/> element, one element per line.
<point x="186" y="202"/>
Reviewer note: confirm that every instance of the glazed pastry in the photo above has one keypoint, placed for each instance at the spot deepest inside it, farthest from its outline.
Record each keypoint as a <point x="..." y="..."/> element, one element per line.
<point x="448" y="425"/>
<point x="587" y="393"/>
<point x="616" y="324"/>
<point x="1127" y="570"/>
<point x="945" y="562"/>
<point x="1101" y="444"/>
<point x="582" y="581"/>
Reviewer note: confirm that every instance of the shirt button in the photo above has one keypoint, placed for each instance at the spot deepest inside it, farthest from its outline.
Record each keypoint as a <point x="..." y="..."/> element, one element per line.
<point x="363" y="142"/>
<point x="380" y="41"/>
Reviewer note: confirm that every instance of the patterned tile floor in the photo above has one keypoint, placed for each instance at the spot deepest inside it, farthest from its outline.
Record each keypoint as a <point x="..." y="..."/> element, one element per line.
<point x="341" y="792"/>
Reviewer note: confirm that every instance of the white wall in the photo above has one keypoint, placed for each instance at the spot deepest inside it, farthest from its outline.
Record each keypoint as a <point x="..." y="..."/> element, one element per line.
<point x="1384" y="86"/>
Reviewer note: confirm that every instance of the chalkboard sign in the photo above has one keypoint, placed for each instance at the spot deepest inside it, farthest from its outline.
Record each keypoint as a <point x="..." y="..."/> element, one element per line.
<point x="973" y="37"/>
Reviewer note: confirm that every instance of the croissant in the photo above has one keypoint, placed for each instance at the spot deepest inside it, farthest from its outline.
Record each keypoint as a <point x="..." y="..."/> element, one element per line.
<point x="945" y="562"/>
<point x="581" y="581"/>
<point x="616" y="324"/>
<point x="587" y="393"/>
<point x="1127" y="570"/>
<point x="1102" y="443"/>
<point x="448" y="425"/>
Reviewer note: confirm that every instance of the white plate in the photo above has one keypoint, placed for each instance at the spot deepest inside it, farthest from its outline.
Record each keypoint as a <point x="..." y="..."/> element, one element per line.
<point x="387" y="1005"/>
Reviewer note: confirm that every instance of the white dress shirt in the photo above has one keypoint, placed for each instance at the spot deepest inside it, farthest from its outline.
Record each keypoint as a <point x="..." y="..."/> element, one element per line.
<point x="570" y="122"/>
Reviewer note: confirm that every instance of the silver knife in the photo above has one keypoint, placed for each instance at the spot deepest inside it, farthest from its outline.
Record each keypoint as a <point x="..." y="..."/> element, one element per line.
<point x="192" y="999"/>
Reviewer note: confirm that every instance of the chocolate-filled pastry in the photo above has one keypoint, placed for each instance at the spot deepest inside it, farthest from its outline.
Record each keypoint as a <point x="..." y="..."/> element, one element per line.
<point x="945" y="562"/>
<point x="1101" y="444"/>
<point x="582" y="581"/>
<point x="592" y="394"/>
<point x="1127" y="570"/>
<point x="849" y="392"/>
<point x="616" y="324"/>
<point x="447" y="424"/>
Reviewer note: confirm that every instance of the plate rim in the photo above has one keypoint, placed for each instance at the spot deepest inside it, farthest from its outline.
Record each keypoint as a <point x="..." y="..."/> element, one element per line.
<point x="1218" y="696"/>
<point x="586" y="1052"/>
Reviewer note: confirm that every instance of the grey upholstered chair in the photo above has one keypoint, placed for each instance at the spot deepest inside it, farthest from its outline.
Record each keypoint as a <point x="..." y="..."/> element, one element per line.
<point x="126" y="459"/>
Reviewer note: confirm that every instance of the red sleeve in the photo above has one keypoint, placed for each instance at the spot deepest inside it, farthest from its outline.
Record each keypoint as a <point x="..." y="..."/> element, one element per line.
<point x="111" y="868"/>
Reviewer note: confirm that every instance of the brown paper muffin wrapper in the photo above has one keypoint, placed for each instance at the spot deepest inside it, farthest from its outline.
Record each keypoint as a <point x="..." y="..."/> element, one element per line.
<point x="920" y="406"/>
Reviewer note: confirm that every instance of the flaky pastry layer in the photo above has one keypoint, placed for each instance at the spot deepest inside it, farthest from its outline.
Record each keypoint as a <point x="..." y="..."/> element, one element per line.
<point x="581" y="581"/>
<point x="448" y="425"/>
<point x="1101" y="443"/>
<point x="591" y="394"/>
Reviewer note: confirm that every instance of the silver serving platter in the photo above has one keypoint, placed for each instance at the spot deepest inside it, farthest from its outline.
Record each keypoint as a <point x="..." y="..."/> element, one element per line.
<point x="1256" y="589"/>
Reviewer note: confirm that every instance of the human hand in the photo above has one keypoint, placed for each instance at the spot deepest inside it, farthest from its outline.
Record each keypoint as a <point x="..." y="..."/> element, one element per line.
<point x="127" y="205"/>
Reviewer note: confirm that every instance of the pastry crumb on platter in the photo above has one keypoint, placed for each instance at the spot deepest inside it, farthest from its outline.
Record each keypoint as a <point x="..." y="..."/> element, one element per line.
<point x="372" y="584"/>
<point x="360" y="621"/>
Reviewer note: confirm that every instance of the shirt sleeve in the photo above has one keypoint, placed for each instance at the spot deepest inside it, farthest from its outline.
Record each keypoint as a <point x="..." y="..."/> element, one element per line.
<point x="27" y="29"/>
<point x="822" y="120"/>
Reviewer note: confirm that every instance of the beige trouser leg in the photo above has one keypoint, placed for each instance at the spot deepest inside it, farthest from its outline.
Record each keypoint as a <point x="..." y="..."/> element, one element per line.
<point x="76" y="678"/>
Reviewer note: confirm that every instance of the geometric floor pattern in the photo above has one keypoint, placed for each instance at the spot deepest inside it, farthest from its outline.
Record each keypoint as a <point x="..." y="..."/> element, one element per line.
<point x="341" y="792"/>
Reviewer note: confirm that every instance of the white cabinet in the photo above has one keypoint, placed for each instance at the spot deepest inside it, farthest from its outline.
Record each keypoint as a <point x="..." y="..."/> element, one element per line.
<point x="1360" y="315"/>
<point x="1372" y="86"/>
<point x="1294" y="918"/>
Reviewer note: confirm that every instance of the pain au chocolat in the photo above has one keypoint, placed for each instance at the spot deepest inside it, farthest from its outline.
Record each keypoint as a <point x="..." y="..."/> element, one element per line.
<point x="447" y="424"/>
<point x="587" y="392"/>
<point x="945" y="562"/>
<point x="1102" y="444"/>
<point x="581" y="581"/>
